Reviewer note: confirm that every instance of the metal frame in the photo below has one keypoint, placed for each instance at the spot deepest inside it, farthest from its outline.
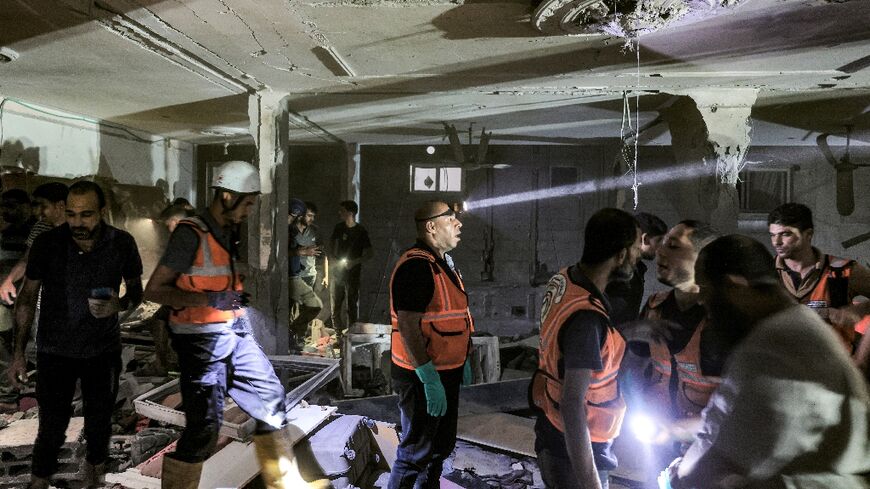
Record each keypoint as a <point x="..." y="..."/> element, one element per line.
<point x="317" y="373"/>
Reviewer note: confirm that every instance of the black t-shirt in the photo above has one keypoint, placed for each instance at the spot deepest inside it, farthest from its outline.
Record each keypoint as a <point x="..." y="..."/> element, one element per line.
<point x="68" y="275"/>
<point x="413" y="288"/>
<point x="350" y="242"/>
<point x="626" y="297"/>
<point x="413" y="284"/>
<point x="585" y="332"/>
<point x="580" y="340"/>
<point x="712" y="361"/>
<point x="184" y="243"/>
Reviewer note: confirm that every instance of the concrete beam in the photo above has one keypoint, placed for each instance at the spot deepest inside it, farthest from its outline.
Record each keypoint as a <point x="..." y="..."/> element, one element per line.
<point x="710" y="128"/>
<point x="267" y="225"/>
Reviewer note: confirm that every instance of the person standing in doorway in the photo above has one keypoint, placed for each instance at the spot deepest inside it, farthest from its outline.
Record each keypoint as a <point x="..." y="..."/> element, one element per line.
<point x="350" y="247"/>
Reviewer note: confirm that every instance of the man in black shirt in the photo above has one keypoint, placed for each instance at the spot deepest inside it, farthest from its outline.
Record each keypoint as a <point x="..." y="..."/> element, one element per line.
<point x="627" y="297"/>
<point x="431" y="328"/>
<point x="669" y="321"/>
<point x="80" y="266"/>
<point x="574" y="388"/>
<point x="350" y="247"/>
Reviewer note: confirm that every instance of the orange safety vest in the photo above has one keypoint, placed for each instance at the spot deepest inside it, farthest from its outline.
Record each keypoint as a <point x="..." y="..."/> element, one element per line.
<point x="693" y="389"/>
<point x="836" y="269"/>
<point x="605" y="407"/>
<point x="211" y="271"/>
<point x="446" y="324"/>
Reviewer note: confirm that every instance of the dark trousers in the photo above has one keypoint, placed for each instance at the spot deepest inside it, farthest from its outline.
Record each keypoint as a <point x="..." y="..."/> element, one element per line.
<point x="346" y="287"/>
<point x="426" y="441"/>
<point x="212" y="367"/>
<point x="556" y="469"/>
<point x="55" y="386"/>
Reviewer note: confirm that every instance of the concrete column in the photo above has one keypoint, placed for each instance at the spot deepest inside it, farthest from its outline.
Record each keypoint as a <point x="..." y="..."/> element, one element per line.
<point x="351" y="174"/>
<point x="710" y="128"/>
<point x="267" y="224"/>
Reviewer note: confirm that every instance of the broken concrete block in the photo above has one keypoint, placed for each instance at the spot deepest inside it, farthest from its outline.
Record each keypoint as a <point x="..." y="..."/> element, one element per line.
<point x="16" y="451"/>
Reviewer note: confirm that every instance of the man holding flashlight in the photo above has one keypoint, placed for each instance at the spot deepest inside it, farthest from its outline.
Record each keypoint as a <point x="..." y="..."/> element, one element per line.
<point x="431" y="340"/>
<point x="350" y="247"/>
<point x="79" y="266"/>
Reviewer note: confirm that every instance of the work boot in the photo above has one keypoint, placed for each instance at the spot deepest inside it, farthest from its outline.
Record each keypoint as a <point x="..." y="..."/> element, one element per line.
<point x="278" y="468"/>
<point x="179" y="475"/>
<point x="93" y="475"/>
<point x="38" y="483"/>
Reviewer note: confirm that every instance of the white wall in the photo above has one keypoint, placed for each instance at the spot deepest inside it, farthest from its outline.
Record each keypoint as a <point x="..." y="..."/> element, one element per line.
<point x="55" y="143"/>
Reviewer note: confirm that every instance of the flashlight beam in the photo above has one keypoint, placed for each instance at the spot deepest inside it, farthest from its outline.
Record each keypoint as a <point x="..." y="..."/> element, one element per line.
<point x="609" y="183"/>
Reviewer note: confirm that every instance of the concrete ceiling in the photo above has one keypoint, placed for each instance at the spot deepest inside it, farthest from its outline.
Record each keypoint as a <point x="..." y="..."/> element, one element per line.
<point x="388" y="71"/>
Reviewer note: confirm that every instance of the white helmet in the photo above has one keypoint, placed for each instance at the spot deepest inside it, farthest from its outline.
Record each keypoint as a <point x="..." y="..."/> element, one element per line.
<point x="237" y="176"/>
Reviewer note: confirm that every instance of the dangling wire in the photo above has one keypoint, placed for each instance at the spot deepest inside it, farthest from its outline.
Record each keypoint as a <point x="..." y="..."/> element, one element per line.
<point x="631" y="130"/>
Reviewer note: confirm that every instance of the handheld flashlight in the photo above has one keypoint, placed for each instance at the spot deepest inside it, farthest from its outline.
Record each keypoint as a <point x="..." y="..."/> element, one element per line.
<point x="645" y="429"/>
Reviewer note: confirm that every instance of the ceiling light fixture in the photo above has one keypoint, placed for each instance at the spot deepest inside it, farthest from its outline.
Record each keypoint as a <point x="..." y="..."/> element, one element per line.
<point x="7" y="55"/>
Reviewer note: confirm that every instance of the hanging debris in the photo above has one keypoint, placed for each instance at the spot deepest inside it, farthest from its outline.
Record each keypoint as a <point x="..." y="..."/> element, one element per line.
<point x="623" y="18"/>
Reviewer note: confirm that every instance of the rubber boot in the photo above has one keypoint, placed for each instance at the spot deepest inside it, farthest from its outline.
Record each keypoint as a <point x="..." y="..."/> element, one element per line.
<point x="278" y="467"/>
<point x="38" y="483"/>
<point x="93" y="476"/>
<point x="179" y="475"/>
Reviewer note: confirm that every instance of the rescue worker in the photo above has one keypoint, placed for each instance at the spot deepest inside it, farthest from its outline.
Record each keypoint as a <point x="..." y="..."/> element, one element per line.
<point x="671" y="366"/>
<point x="792" y="410"/>
<point x="823" y="282"/>
<point x="431" y="339"/>
<point x="217" y="353"/>
<point x="575" y="387"/>
<point x="626" y="298"/>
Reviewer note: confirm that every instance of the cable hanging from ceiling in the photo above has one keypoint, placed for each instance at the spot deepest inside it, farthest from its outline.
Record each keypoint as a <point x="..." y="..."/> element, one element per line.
<point x="629" y="153"/>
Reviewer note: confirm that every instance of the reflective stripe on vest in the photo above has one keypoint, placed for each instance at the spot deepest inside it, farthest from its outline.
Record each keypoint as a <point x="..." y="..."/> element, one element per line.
<point x="211" y="271"/>
<point x="446" y="324"/>
<point x="605" y="408"/>
<point x="693" y="389"/>
<point x="836" y="269"/>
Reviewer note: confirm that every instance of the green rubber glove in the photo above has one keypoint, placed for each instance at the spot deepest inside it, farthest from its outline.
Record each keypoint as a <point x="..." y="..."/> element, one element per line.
<point x="436" y="398"/>
<point x="467" y="376"/>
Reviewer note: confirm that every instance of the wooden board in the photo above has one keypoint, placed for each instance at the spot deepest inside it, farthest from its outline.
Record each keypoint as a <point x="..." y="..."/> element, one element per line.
<point x="502" y="431"/>
<point x="235" y="464"/>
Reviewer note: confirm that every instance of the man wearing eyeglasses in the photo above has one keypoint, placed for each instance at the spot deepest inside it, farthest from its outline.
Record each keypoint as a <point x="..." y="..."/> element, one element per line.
<point x="431" y="339"/>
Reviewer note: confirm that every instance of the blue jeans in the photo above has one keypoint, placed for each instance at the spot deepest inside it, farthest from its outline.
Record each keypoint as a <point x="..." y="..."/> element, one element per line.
<point x="216" y="365"/>
<point x="426" y="441"/>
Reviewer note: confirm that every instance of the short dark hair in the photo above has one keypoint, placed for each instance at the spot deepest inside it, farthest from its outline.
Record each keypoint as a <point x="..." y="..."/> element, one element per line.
<point x="181" y="201"/>
<point x="311" y="206"/>
<point x="608" y="232"/>
<point x="86" y="186"/>
<point x="52" y="191"/>
<point x="175" y="210"/>
<point x="740" y="255"/>
<point x="17" y="195"/>
<point x="792" y="215"/>
<point x="650" y="224"/>
<point x="702" y="233"/>
<point x="349" y="206"/>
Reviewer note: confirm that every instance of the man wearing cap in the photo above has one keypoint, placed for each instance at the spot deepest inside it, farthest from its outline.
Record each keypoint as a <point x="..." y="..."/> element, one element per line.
<point x="302" y="244"/>
<point x="217" y="352"/>
<point x="431" y="340"/>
